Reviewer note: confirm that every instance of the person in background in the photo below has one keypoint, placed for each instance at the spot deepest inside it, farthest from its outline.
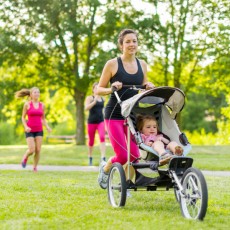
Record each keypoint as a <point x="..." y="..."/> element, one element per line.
<point x="95" y="105"/>
<point x="148" y="127"/>
<point x="124" y="70"/>
<point x="34" y="111"/>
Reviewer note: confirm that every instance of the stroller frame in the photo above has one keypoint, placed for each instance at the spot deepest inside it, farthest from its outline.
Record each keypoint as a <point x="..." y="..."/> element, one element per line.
<point x="189" y="184"/>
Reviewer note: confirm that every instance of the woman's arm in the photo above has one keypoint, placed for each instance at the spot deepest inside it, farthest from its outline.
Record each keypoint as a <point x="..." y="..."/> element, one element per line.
<point x="24" y="111"/>
<point x="44" y="122"/>
<point x="108" y="72"/>
<point x="90" y="102"/>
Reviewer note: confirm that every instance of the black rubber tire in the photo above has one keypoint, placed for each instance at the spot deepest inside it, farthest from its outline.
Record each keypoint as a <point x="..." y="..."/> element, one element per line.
<point x="194" y="204"/>
<point x="117" y="186"/>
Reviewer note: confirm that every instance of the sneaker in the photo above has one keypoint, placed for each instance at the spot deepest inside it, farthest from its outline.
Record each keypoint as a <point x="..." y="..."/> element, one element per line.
<point x="24" y="161"/>
<point x="90" y="161"/>
<point x="35" y="170"/>
<point x="103" y="159"/>
<point x="165" y="158"/>
<point x="179" y="151"/>
<point x="102" y="177"/>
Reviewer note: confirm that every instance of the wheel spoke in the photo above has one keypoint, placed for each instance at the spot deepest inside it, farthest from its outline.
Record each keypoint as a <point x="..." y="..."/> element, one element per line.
<point x="117" y="186"/>
<point x="194" y="203"/>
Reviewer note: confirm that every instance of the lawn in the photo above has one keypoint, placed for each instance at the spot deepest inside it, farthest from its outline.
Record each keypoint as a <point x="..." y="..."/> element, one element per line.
<point x="205" y="157"/>
<point x="73" y="200"/>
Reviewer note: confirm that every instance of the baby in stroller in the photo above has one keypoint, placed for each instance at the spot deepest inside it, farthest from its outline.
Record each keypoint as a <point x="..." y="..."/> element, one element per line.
<point x="148" y="127"/>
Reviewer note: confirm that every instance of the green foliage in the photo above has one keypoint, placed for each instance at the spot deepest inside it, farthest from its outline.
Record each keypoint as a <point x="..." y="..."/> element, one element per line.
<point x="202" y="111"/>
<point x="63" y="45"/>
<point x="223" y="135"/>
<point x="59" y="106"/>
<point x="203" y="138"/>
<point x="65" y="128"/>
<point x="7" y="134"/>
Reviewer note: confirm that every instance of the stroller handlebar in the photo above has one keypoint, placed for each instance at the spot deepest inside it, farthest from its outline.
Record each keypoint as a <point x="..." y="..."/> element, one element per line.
<point x="133" y="87"/>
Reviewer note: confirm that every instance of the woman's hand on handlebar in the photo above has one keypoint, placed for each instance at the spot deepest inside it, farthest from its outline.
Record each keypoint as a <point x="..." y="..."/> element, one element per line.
<point x="117" y="85"/>
<point x="149" y="85"/>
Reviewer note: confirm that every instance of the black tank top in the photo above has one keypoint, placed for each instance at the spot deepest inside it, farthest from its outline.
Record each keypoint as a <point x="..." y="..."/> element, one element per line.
<point x="95" y="113"/>
<point x="113" y="109"/>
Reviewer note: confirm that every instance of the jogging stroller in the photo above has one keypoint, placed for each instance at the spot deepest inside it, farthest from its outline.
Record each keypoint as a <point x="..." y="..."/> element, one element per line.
<point x="188" y="183"/>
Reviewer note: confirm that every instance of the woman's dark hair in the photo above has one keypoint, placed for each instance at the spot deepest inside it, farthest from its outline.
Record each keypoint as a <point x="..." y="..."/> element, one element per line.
<point x="122" y="35"/>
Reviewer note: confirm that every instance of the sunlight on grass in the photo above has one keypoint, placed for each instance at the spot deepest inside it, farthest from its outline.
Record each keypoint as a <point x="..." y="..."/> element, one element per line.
<point x="13" y="146"/>
<point x="73" y="200"/>
<point x="205" y="157"/>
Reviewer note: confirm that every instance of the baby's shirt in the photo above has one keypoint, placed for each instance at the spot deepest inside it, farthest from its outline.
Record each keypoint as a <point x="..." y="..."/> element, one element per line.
<point x="150" y="138"/>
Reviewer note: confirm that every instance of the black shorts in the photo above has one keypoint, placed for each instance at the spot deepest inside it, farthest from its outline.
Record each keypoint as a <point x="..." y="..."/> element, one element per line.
<point x="34" y="134"/>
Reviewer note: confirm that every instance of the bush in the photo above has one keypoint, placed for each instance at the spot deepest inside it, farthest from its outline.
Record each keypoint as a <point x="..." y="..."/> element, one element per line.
<point x="223" y="135"/>
<point x="7" y="135"/>
<point x="203" y="138"/>
<point x="65" y="128"/>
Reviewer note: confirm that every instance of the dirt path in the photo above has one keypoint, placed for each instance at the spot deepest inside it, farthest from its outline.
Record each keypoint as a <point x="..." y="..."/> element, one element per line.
<point x="86" y="169"/>
<point x="50" y="168"/>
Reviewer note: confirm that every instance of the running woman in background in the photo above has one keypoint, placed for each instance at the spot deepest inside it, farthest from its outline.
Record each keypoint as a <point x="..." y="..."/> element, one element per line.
<point x="34" y="110"/>
<point x="95" y="105"/>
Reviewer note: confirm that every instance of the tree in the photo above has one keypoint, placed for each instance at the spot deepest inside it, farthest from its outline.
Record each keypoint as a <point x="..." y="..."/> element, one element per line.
<point x="68" y="42"/>
<point x="182" y="36"/>
<point x="68" y="38"/>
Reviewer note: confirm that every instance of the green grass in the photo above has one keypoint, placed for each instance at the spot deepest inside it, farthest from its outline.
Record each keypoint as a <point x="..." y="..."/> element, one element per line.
<point x="205" y="157"/>
<point x="73" y="200"/>
<point x="211" y="157"/>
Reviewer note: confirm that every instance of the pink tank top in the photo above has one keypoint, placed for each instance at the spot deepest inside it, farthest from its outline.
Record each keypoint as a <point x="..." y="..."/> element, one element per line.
<point x="35" y="117"/>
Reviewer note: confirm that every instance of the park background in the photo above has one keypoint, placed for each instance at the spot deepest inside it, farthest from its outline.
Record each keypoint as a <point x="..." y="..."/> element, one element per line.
<point x="61" y="47"/>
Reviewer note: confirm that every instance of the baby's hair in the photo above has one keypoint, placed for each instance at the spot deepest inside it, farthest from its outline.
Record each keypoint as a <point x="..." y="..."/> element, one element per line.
<point x="142" y="118"/>
<point x="25" y="92"/>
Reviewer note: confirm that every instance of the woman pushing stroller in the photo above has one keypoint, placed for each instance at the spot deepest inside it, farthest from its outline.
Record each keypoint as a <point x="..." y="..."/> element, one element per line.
<point x="124" y="70"/>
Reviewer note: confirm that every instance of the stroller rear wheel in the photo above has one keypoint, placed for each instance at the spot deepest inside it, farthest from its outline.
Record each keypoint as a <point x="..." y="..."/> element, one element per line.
<point x="117" y="186"/>
<point x="195" y="198"/>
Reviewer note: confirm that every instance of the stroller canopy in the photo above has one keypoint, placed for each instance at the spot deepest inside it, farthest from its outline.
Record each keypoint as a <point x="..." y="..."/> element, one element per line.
<point x="174" y="98"/>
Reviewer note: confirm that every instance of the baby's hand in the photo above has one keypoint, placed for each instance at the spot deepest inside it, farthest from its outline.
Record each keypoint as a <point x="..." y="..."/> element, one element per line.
<point x="150" y="143"/>
<point x="159" y="138"/>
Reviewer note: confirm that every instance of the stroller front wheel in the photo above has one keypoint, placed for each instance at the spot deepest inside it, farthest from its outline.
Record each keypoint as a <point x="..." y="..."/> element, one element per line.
<point x="117" y="186"/>
<point x="177" y="194"/>
<point x="194" y="201"/>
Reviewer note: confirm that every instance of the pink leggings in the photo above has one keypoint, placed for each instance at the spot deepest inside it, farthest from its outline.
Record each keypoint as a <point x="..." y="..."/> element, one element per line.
<point x="92" y="128"/>
<point x="117" y="132"/>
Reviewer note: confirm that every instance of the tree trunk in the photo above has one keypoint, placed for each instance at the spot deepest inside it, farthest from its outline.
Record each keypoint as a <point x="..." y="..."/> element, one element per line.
<point x="80" y="118"/>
